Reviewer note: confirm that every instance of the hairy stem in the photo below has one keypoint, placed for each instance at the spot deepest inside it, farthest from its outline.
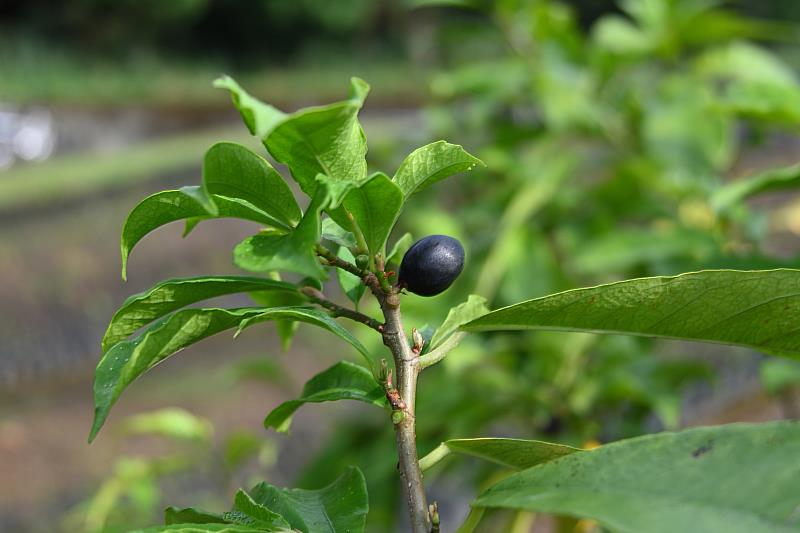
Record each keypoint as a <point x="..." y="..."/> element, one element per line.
<point x="407" y="369"/>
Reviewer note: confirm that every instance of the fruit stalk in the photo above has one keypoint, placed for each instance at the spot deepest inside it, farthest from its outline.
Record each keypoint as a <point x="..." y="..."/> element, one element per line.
<point x="406" y="369"/>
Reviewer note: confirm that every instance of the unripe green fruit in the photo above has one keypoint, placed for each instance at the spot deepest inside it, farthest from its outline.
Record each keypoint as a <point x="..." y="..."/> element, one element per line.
<point x="362" y="261"/>
<point x="431" y="265"/>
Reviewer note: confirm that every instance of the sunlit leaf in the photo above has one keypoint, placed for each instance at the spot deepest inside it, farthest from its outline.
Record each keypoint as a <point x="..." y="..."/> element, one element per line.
<point x="259" y="117"/>
<point x="734" y="479"/>
<point x="757" y="309"/>
<point x="474" y="307"/>
<point x="431" y="163"/>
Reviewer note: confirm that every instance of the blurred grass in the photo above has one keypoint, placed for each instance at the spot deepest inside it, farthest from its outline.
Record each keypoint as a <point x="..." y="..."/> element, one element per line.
<point x="71" y="176"/>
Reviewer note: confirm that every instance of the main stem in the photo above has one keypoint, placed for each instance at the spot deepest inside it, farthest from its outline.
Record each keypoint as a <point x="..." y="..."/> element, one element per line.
<point x="406" y="364"/>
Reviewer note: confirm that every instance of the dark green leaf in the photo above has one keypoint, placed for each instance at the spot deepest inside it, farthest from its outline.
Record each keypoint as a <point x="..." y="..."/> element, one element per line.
<point x="324" y="140"/>
<point x="309" y="316"/>
<point x="758" y="309"/>
<point x="341" y="507"/>
<point x="259" y="117"/>
<point x="517" y="454"/>
<point x="775" y="179"/>
<point x="351" y="285"/>
<point x="233" y="171"/>
<point x="739" y="478"/>
<point x="205" y="528"/>
<point x="285" y="328"/>
<point x="190" y="515"/>
<point x="335" y="233"/>
<point x="431" y="163"/>
<point x="342" y="381"/>
<point x="293" y="252"/>
<point x="127" y="360"/>
<point x="249" y="513"/>
<point x="167" y="296"/>
<point x="188" y="203"/>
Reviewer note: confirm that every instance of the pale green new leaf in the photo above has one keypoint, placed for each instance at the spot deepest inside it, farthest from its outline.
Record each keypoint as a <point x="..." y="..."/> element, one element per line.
<point x="171" y="422"/>
<point x="351" y="285"/>
<point x="127" y="360"/>
<point x="431" y="163"/>
<point x="325" y="140"/>
<point x="516" y="454"/>
<point x="775" y="179"/>
<point x="233" y="171"/>
<point x="311" y="316"/>
<point x="187" y="203"/>
<point x="739" y="478"/>
<point x="474" y="307"/>
<point x="342" y="381"/>
<point x="375" y="206"/>
<point x="340" y="507"/>
<point x="756" y="309"/>
<point x="167" y="296"/>
<point x="399" y="249"/>
<point x="293" y="252"/>
<point x="259" y="117"/>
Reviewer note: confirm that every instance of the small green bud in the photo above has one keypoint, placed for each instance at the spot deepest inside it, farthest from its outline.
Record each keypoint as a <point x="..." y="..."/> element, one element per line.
<point x="362" y="261"/>
<point x="397" y="417"/>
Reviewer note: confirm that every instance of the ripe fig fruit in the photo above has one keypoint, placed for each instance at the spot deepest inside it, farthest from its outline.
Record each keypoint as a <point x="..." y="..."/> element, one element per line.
<point x="431" y="265"/>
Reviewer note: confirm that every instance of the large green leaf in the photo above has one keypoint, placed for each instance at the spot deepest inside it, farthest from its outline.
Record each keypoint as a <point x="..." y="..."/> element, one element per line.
<point x="259" y="117"/>
<point x="341" y="507"/>
<point x="324" y="140"/>
<point x="293" y="252"/>
<point x="474" y="307"/>
<point x="127" y="360"/>
<point x="231" y="170"/>
<point x="167" y="296"/>
<point x="739" y="478"/>
<point x="309" y="316"/>
<point x="342" y="381"/>
<point x="247" y="512"/>
<point x="758" y="309"/>
<point x="187" y="203"/>
<point x="431" y="163"/>
<point x="516" y="454"/>
<point x="775" y="179"/>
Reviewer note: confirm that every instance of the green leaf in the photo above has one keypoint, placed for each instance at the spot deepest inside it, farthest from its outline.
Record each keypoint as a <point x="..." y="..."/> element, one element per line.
<point x="757" y="309"/>
<point x="775" y="179"/>
<point x="259" y="117"/>
<point x="341" y="507"/>
<point x="324" y="140"/>
<point x="174" y="423"/>
<point x="250" y="513"/>
<point x="516" y="454"/>
<point x="167" y="296"/>
<point x="190" y="515"/>
<point x="293" y="252"/>
<point x="431" y="163"/>
<point x="375" y="206"/>
<point x="231" y="170"/>
<point x="351" y="285"/>
<point x="337" y="234"/>
<point x="310" y="316"/>
<point x="779" y="375"/>
<point x="474" y="307"/>
<point x="187" y="203"/>
<point x="205" y="528"/>
<point x="342" y="381"/>
<point x="733" y="479"/>
<point x="285" y="328"/>
<point x="399" y="249"/>
<point x="127" y="360"/>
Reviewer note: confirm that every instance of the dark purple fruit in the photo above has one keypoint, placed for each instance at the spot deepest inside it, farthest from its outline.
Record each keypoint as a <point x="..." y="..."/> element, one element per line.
<point x="431" y="265"/>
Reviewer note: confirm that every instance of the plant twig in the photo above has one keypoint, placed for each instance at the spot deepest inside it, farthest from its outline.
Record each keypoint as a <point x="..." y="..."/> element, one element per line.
<point x="337" y="310"/>
<point x="407" y="370"/>
<point x="333" y="260"/>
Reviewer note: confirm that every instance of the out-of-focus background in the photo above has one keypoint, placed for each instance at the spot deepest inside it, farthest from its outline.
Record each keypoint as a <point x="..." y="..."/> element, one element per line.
<point x="610" y="131"/>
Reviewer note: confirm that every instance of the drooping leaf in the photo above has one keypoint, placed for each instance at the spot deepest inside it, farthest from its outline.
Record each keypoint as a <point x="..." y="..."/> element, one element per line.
<point x="187" y="203"/>
<point x="310" y="316"/>
<point x="167" y="296"/>
<point x="127" y="360"/>
<point x="351" y="285"/>
<point x="738" y="478"/>
<point x="375" y="207"/>
<point x="247" y="512"/>
<point x="190" y="515"/>
<point x="259" y="117"/>
<point x="340" y="507"/>
<point x="342" y="381"/>
<point x="758" y="309"/>
<point x="775" y="179"/>
<point x="231" y="170"/>
<point x="516" y="454"/>
<point x="293" y="252"/>
<point x="474" y="307"/>
<point x="324" y="140"/>
<point x="431" y="163"/>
